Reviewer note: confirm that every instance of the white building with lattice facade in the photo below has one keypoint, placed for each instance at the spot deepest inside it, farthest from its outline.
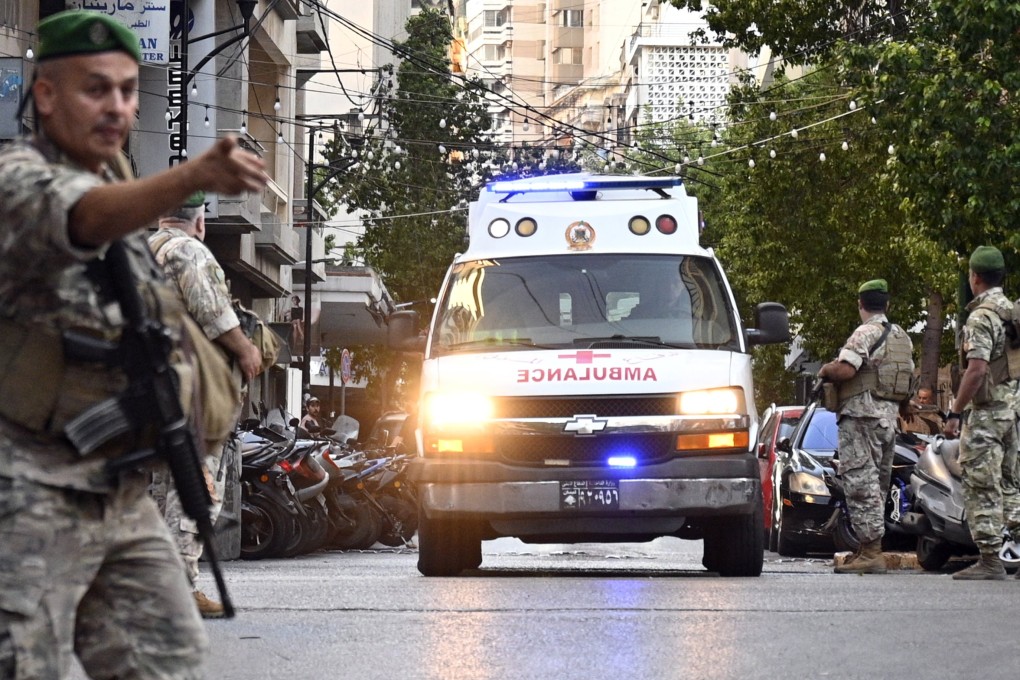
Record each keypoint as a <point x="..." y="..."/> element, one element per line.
<point x="563" y="69"/>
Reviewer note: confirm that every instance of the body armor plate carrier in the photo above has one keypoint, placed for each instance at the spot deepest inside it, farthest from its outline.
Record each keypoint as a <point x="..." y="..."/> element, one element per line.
<point x="893" y="378"/>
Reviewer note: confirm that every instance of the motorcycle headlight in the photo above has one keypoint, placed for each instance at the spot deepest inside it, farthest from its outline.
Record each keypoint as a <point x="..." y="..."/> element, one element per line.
<point x="806" y="483"/>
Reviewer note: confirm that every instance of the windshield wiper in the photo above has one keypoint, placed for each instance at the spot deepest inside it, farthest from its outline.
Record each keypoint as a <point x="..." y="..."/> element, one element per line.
<point x="648" y="341"/>
<point x="495" y="342"/>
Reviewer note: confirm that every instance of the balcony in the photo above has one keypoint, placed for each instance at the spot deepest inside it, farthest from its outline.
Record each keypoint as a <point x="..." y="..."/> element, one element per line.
<point x="311" y="39"/>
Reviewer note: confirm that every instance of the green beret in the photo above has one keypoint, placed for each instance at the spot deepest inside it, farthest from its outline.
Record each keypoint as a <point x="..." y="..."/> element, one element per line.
<point x="195" y="200"/>
<point x="877" y="285"/>
<point x="75" y="32"/>
<point x="986" y="259"/>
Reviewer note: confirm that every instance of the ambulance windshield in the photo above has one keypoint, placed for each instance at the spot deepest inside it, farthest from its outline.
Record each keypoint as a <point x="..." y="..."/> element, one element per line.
<point x="585" y="300"/>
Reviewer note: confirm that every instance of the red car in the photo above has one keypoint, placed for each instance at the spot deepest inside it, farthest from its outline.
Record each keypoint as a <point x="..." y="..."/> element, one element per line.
<point x="777" y="424"/>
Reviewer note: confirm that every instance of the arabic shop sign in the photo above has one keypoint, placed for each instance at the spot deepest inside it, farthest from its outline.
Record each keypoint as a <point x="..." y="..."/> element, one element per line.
<point x="149" y="19"/>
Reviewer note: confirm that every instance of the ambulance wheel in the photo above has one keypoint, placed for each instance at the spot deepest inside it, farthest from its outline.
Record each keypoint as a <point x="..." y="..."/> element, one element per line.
<point x="447" y="547"/>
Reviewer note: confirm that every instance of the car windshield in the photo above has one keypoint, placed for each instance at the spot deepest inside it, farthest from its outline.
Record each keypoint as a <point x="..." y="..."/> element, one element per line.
<point x="821" y="436"/>
<point x="787" y="425"/>
<point x="585" y="300"/>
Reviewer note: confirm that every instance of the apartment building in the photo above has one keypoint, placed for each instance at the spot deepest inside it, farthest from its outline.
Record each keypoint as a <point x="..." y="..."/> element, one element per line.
<point x="589" y="71"/>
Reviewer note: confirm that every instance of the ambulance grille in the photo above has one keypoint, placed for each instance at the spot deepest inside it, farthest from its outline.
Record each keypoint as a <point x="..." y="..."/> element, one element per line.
<point x="646" y="448"/>
<point x="567" y="407"/>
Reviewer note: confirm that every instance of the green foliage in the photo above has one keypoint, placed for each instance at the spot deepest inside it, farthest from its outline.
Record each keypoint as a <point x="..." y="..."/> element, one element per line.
<point x="802" y="31"/>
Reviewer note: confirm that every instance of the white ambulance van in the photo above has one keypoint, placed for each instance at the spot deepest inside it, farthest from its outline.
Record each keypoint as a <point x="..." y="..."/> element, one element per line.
<point x="587" y="378"/>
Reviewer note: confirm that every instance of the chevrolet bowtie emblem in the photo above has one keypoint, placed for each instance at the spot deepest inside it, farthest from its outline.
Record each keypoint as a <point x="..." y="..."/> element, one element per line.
<point x="587" y="424"/>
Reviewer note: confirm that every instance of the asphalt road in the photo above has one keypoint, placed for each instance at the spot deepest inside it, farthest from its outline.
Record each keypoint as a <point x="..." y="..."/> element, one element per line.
<point x="605" y="611"/>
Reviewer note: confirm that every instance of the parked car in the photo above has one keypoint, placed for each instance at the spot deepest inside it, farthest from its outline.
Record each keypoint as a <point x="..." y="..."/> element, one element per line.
<point x="801" y="504"/>
<point x="778" y="423"/>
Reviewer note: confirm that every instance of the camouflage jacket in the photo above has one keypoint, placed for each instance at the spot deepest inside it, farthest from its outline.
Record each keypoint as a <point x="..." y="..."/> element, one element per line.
<point x="856" y="353"/>
<point x="199" y="279"/>
<point x="984" y="337"/>
<point x="44" y="285"/>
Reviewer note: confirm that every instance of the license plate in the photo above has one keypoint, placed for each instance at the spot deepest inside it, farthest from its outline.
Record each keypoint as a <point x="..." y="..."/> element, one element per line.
<point x="590" y="494"/>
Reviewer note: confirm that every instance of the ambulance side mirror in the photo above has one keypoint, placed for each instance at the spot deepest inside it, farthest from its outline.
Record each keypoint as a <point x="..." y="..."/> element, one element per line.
<point x="773" y="325"/>
<point x="402" y="332"/>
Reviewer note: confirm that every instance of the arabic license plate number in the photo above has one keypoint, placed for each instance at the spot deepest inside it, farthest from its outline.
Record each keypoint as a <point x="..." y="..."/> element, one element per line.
<point x="590" y="494"/>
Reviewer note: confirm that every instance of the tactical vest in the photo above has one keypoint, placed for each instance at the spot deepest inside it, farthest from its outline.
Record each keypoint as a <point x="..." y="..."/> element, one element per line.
<point x="893" y="379"/>
<point x="1006" y="366"/>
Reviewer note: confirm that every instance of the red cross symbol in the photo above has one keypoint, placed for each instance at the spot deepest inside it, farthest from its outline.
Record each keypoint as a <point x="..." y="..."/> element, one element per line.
<point x="584" y="356"/>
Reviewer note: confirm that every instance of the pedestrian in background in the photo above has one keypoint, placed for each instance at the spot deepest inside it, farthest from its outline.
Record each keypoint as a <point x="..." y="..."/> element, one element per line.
<point x="86" y="564"/>
<point x="873" y="374"/>
<point x="311" y="421"/>
<point x="197" y="277"/>
<point x="984" y="407"/>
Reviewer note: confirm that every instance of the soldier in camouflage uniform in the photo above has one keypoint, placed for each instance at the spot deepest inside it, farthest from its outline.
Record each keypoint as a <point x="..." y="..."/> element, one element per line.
<point x="867" y="425"/>
<point x="199" y="280"/>
<point x="985" y="406"/>
<point x="86" y="564"/>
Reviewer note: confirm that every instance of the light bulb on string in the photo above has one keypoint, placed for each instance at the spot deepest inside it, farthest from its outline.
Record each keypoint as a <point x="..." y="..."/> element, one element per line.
<point x="891" y="149"/>
<point x="821" y="157"/>
<point x="772" y="115"/>
<point x="846" y="146"/>
<point x="442" y="149"/>
<point x="184" y="153"/>
<point x="794" y="133"/>
<point x="701" y="160"/>
<point x="279" y="135"/>
<point x="677" y="168"/>
<point x="442" y="122"/>
<point x="244" y="124"/>
<point x="29" y="54"/>
<point x="277" y="105"/>
<point x="772" y="153"/>
<point x="194" y="90"/>
<point x="167" y="116"/>
<point x="750" y="163"/>
<point x="396" y="165"/>
<point x="207" y="116"/>
<point x="526" y="126"/>
<point x="853" y="105"/>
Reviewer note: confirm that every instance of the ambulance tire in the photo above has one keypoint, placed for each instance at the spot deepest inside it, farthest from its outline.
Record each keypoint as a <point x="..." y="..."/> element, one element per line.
<point x="735" y="546"/>
<point x="447" y="547"/>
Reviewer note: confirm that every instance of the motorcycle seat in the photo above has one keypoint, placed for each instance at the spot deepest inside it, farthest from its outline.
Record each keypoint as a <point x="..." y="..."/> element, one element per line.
<point x="949" y="449"/>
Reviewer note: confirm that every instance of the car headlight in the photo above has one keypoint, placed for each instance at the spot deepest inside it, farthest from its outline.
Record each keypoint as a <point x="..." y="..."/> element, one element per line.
<point x="457" y="409"/>
<point x="704" y="402"/>
<point x="806" y="483"/>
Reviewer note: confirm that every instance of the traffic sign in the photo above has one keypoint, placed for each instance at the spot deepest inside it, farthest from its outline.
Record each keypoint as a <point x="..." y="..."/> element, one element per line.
<point x="345" y="366"/>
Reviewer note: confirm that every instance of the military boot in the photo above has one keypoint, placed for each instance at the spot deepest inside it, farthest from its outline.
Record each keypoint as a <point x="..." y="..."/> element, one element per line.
<point x="988" y="568"/>
<point x="869" y="561"/>
<point x="209" y="609"/>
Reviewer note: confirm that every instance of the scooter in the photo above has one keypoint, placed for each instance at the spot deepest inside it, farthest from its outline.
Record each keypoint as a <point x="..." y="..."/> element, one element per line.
<point x="898" y="504"/>
<point x="938" y="518"/>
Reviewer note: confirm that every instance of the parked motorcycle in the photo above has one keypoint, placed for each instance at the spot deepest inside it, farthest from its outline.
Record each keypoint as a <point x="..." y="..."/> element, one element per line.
<point x="269" y="503"/>
<point x="898" y="504"/>
<point x="938" y="518"/>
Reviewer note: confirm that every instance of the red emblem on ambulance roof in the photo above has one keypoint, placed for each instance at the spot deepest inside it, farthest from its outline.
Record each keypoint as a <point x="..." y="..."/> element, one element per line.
<point x="580" y="235"/>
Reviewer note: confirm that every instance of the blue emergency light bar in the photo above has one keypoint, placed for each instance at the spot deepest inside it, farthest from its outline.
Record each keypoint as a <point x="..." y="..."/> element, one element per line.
<point x="586" y="183"/>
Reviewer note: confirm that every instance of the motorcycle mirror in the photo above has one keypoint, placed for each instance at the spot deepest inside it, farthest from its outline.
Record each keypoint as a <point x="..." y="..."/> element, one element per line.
<point x="293" y="422"/>
<point x="784" y="445"/>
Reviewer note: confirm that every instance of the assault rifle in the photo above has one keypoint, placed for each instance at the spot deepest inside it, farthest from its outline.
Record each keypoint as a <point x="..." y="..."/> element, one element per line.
<point x="145" y="350"/>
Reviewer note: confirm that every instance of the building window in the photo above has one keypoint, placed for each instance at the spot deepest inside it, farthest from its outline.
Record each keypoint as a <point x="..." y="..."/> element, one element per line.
<point x="494" y="18"/>
<point x="572" y="18"/>
<point x="568" y="55"/>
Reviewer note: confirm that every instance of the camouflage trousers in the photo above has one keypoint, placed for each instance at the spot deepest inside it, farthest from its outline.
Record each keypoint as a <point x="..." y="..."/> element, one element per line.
<point x="865" y="466"/>
<point x="991" y="478"/>
<point x="92" y="575"/>
<point x="183" y="529"/>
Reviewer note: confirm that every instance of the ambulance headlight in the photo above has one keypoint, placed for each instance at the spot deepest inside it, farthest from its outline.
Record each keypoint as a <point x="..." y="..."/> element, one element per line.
<point x="711" y="402"/>
<point x="446" y="409"/>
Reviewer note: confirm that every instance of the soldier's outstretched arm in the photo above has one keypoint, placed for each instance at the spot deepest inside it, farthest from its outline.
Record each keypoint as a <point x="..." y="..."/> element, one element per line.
<point x="111" y="211"/>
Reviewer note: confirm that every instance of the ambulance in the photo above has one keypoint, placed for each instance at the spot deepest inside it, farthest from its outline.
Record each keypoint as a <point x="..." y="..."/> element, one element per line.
<point x="587" y="378"/>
